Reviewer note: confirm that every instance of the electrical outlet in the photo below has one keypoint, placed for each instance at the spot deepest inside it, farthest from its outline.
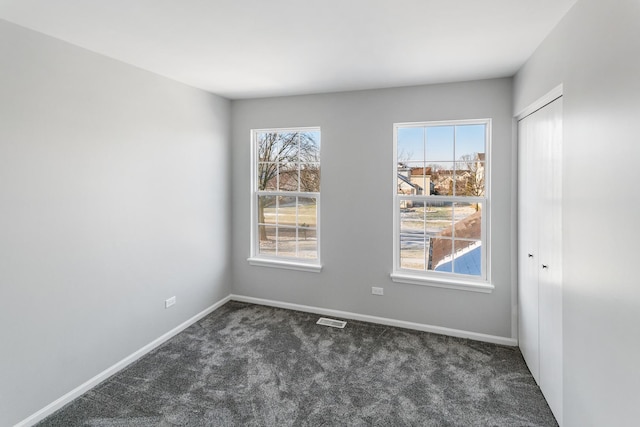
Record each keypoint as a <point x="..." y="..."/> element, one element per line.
<point x="169" y="302"/>
<point x="377" y="291"/>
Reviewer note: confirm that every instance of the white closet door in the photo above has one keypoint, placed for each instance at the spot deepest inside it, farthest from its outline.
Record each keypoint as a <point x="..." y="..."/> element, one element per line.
<point x="549" y="130"/>
<point x="540" y="249"/>
<point x="528" y="331"/>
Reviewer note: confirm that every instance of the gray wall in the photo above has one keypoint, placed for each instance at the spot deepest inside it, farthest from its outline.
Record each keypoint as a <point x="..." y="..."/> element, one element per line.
<point x="113" y="197"/>
<point x="595" y="53"/>
<point x="356" y="211"/>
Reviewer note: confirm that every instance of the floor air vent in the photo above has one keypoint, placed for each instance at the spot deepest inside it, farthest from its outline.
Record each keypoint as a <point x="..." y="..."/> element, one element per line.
<point x="331" y="322"/>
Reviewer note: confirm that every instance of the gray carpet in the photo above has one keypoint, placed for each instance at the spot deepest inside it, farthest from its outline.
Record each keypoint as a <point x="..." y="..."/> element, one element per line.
<point x="250" y="365"/>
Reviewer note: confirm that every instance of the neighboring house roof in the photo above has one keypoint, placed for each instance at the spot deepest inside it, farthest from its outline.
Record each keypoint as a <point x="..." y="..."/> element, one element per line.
<point x="468" y="261"/>
<point x="420" y="171"/>
<point x="469" y="228"/>
<point x="459" y="172"/>
<point x="408" y="182"/>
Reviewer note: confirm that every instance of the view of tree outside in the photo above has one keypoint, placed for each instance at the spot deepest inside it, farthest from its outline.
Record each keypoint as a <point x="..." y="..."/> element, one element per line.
<point x="288" y="188"/>
<point x="440" y="193"/>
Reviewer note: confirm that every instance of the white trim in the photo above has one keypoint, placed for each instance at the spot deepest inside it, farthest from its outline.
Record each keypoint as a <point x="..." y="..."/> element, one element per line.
<point x="439" y="279"/>
<point x="487" y="206"/>
<point x="287" y="129"/>
<point x="546" y="99"/>
<point x="445" y="199"/>
<point x="254" y="257"/>
<point x="284" y="264"/>
<point x="549" y="97"/>
<point x="380" y="320"/>
<point x="102" y="376"/>
<point x="514" y="231"/>
<point x="437" y="282"/>
<point x="454" y="122"/>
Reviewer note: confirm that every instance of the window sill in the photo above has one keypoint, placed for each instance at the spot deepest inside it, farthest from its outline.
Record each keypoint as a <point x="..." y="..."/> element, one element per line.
<point x="461" y="285"/>
<point x="287" y="265"/>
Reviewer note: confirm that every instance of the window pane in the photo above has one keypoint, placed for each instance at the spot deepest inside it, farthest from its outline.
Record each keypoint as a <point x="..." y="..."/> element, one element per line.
<point x="436" y="161"/>
<point x="411" y="178"/>
<point x="286" y="213"/>
<point x="467" y="257"/>
<point x="307" y="243"/>
<point x="288" y="177"/>
<point x="470" y="141"/>
<point x="267" y="240"/>
<point x="442" y="177"/>
<point x="287" y="241"/>
<point x="412" y="251"/>
<point x="310" y="177"/>
<point x="411" y="217"/>
<point x="468" y="221"/>
<point x="429" y="183"/>
<point x="470" y="177"/>
<point x="268" y="147"/>
<point x="266" y="210"/>
<point x="307" y="212"/>
<point x="267" y="176"/>
<point x="309" y="147"/>
<point x="439" y="218"/>
<point x="288" y="148"/>
<point x="287" y="161"/>
<point x="440" y="144"/>
<point x="477" y="183"/>
<point x="410" y="144"/>
<point x="440" y="254"/>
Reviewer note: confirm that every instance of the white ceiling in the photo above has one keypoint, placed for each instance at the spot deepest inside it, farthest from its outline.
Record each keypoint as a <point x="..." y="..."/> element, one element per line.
<point x="255" y="48"/>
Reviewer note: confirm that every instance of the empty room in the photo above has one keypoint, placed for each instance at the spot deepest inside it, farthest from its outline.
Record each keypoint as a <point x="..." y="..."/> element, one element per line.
<point x="319" y="213"/>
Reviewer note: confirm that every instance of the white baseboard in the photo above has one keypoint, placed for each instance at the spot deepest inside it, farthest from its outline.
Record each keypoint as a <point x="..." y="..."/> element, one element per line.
<point x="381" y="320"/>
<point x="83" y="388"/>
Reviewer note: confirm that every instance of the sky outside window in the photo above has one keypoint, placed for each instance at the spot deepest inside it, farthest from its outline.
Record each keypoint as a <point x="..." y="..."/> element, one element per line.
<point x="435" y="144"/>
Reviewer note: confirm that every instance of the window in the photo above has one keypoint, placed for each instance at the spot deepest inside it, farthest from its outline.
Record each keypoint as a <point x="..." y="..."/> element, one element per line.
<point x="441" y="204"/>
<point x="286" y="198"/>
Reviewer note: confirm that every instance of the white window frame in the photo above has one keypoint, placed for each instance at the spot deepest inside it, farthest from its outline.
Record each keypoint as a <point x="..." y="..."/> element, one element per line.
<point x="263" y="260"/>
<point x="444" y="279"/>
